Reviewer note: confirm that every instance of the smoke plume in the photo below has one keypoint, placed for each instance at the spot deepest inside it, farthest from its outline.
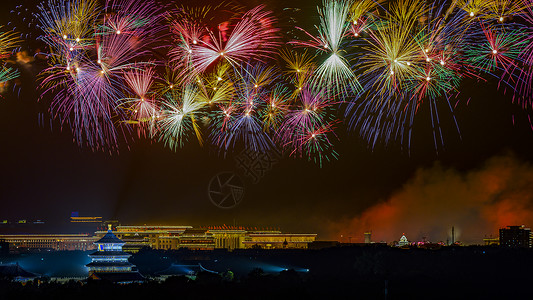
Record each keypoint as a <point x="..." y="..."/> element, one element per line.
<point x="477" y="203"/>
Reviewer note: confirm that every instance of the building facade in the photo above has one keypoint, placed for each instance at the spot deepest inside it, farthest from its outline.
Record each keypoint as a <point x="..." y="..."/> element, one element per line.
<point x="196" y="239"/>
<point x="209" y="238"/>
<point x="229" y="238"/>
<point x="515" y="237"/>
<point x="57" y="242"/>
<point x="277" y="240"/>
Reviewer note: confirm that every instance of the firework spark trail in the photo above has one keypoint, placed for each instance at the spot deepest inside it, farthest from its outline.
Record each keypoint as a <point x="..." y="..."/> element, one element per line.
<point x="524" y="81"/>
<point x="334" y="73"/>
<point x="187" y="29"/>
<point x="179" y="118"/>
<point x="502" y="10"/>
<point x="239" y="123"/>
<point x="254" y="37"/>
<point x="276" y="106"/>
<point x="300" y="69"/>
<point x="474" y="8"/>
<point x="143" y="108"/>
<point x="499" y="49"/>
<point x="316" y="143"/>
<point x="8" y="42"/>
<point x="68" y="24"/>
<point x="304" y="131"/>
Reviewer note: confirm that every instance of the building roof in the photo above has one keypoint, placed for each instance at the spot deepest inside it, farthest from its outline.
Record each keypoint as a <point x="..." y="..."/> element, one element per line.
<point x="196" y="231"/>
<point x="14" y="270"/>
<point x="118" y="277"/>
<point x="109" y="238"/>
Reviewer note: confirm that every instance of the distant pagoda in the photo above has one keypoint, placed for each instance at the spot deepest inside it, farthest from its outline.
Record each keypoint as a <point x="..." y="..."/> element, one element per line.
<point x="110" y="263"/>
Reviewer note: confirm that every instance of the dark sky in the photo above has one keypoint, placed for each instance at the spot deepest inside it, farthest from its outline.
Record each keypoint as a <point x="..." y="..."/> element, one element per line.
<point x="45" y="175"/>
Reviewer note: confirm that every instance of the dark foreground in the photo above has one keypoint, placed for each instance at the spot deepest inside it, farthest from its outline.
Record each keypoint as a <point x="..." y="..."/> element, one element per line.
<point x="340" y="272"/>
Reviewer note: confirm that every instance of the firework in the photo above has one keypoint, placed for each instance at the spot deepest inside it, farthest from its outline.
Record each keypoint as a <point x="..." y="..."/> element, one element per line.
<point x="411" y="57"/>
<point x="238" y="124"/>
<point x="304" y="130"/>
<point x="300" y="69"/>
<point x="500" y="49"/>
<point x="143" y="108"/>
<point x="525" y="78"/>
<point x="275" y="108"/>
<point x="216" y="87"/>
<point x="474" y="8"/>
<point x="503" y="10"/>
<point x="69" y="25"/>
<point x="220" y="73"/>
<point x="8" y="42"/>
<point x="334" y="73"/>
<point x="180" y="117"/>
<point x="89" y="55"/>
<point x="316" y="144"/>
<point x="254" y="37"/>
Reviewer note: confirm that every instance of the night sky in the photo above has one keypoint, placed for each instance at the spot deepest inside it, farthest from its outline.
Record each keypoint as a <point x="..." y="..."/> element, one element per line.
<point x="477" y="182"/>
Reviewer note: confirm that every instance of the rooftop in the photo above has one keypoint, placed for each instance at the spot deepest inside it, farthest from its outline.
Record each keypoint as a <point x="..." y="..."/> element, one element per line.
<point x="109" y="238"/>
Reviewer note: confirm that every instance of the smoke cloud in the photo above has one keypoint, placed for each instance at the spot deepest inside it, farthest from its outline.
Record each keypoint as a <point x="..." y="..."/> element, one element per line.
<point x="477" y="203"/>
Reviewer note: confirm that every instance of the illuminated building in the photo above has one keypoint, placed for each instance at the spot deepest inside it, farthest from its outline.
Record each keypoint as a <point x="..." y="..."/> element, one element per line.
<point x="58" y="242"/>
<point x="167" y="238"/>
<point x="491" y="241"/>
<point x="403" y="241"/>
<point x="197" y="239"/>
<point x="156" y="237"/>
<point x="515" y="237"/>
<point x="230" y="238"/>
<point x="110" y="263"/>
<point x="219" y="237"/>
<point x="278" y="240"/>
<point x="368" y="237"/>
<point x="96" y="220"/>
<point x="75" y="218"/>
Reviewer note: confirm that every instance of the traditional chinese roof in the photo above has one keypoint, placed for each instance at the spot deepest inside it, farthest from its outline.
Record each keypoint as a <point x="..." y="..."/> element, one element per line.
<point x="109" y="238"/>
<point x="14" y="270"/>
